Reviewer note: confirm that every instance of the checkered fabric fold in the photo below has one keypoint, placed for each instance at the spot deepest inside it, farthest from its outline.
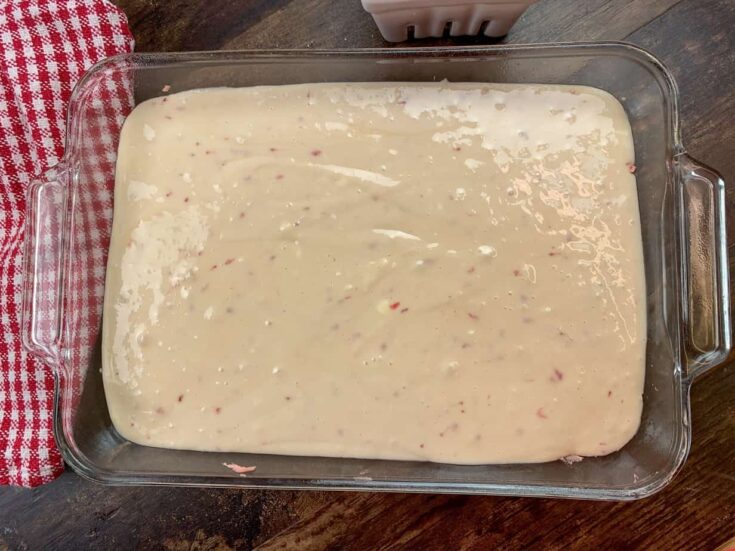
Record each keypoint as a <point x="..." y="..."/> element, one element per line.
<point x="45" y="46"/>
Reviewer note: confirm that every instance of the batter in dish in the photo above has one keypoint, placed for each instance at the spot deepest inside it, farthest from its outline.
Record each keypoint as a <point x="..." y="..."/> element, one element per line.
<point x="442" y="272"/>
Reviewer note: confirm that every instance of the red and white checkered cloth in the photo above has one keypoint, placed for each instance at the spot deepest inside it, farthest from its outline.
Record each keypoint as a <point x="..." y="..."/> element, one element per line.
<point x="45" y="46"/>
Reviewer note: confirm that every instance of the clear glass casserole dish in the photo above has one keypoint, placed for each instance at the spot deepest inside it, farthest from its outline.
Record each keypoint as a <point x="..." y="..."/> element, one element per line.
<point x="683" y="226"/>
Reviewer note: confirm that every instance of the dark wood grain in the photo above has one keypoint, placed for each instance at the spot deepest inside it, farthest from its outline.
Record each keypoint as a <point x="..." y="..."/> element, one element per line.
<point x="697" y="511"/>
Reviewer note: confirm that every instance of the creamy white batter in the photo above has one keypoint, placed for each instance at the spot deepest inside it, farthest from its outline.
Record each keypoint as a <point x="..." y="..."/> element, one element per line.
<point x="443" y="272"/>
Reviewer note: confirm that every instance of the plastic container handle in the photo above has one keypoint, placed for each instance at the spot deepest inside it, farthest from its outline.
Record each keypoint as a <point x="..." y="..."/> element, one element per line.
<point x="706" y="289"/>
<point x="43" y="267"/>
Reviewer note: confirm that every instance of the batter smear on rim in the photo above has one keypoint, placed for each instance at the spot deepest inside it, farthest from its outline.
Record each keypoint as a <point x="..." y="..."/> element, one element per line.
<point x="442" y="272"/>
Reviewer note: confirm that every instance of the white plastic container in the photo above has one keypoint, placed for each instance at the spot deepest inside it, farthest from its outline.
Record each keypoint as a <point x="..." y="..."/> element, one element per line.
<point x="396" y="18"/>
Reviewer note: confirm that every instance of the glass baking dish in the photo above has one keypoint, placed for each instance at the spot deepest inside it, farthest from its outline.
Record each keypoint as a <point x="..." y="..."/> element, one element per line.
<point x="683" y="226"/>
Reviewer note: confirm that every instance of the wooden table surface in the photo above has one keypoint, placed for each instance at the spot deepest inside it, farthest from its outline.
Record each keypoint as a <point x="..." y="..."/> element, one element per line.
<point x="697" y="511"/>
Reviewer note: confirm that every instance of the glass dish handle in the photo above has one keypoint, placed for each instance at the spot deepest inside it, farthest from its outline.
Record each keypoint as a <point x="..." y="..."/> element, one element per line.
<point x="43" y="267"/>
<point x="705" y="269"/>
